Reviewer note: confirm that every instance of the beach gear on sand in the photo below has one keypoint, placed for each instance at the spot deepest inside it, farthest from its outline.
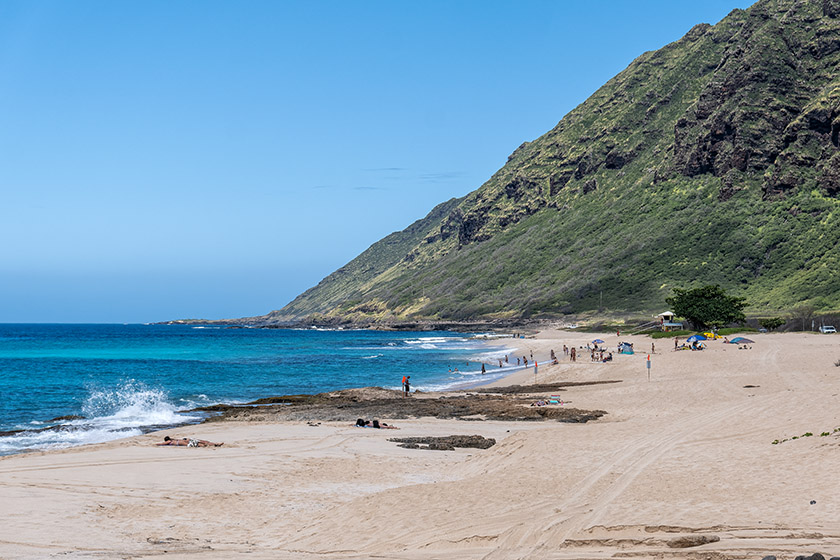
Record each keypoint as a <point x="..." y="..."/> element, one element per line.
<point x="625" y="348"/>
<point x="598" y="341"/>
<point x="741" y="340"/>
<point x="695" y="338"/>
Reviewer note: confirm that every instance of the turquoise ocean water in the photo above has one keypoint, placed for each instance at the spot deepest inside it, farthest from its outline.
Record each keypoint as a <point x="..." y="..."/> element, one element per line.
<point x="124" y="380"/>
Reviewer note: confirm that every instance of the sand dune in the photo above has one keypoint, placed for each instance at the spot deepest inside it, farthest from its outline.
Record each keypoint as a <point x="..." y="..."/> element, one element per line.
<point x="683" y="459"/>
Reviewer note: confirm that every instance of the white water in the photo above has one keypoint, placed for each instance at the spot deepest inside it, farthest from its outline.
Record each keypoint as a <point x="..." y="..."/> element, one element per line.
<point x="126" y="411"/>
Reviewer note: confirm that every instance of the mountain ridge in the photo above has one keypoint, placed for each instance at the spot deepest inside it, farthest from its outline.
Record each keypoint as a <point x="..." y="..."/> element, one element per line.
<point x="711" y="160"/>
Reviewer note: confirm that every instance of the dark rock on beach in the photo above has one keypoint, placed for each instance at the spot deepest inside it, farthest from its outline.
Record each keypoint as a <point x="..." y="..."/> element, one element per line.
<point x="447" y="443"/>
<point x="46" y="428"/>
<point x="375" y="402"/>
<point x="10" y="433"/>
<point x="689" y="541"/>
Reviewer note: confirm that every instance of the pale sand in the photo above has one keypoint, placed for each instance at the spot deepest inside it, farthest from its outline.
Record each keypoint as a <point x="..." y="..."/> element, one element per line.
<point x="688" y="453"/>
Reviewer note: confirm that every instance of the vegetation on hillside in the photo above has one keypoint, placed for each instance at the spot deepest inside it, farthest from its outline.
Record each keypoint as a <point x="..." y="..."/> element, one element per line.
<point x="714" y="160"/>
<point x="707" y="306"/>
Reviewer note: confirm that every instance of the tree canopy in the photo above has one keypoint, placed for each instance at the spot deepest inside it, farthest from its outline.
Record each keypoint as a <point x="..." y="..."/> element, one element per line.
<point x="771" y="323"/>
<point x="708" y="306"/>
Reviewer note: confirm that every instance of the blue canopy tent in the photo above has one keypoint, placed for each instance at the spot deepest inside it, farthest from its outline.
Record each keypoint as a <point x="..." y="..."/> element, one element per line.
<point x="695" y="338"/>
<point x="741" y="340"/>
<point x="625" y="348"/>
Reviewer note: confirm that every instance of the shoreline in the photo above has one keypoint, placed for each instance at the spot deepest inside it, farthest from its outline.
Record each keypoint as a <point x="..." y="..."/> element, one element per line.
<point x="132" y="408"/>
<point x="513" y="375"/>
<point x="684" y="459"/>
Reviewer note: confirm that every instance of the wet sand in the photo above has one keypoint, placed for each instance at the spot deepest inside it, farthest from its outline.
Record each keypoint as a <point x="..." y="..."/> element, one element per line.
<point x="687" y="455"/>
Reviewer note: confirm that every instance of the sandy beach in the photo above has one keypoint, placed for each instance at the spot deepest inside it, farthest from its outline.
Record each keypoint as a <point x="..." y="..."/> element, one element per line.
<point x="681" y="466"/>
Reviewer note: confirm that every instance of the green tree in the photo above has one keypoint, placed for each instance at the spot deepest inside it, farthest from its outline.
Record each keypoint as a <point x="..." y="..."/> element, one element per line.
<point x="771" y="323"/>
<point x="708" y="306"/>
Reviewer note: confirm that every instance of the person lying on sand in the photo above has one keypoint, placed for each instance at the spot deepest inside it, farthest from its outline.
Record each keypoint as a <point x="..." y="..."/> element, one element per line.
<point x="548" y="402"/>
<point x="189" y="442"/>
<point x="362" y="423"/>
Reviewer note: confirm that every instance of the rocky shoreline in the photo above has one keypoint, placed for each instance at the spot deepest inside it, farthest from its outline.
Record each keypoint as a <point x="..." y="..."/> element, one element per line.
<point x="495" y="325"/>
<point x="512" y="403"/>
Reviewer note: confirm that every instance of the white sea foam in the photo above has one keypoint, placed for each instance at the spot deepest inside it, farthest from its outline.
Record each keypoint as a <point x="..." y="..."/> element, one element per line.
<point x="60" y="439"/>
<point x="464" y="381"/>
<point x="109" y="414"/>
<point x="490" y="336"/>
<point x="431" y="339"/>
<point x="131" y="405"/>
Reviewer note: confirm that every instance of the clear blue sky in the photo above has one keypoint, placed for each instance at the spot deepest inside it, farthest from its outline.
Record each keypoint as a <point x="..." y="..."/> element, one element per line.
<point x="163" y="160"/>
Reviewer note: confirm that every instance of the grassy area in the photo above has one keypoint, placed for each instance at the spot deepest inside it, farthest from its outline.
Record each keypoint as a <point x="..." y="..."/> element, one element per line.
<point x="736" y="330"/>
<point x="722" y="332"/>
<point x="672" y="334"/>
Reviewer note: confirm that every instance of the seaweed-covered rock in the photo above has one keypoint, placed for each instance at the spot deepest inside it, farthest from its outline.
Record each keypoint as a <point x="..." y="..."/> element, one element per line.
<point x="689" y="541"/>
<point x="447" y="443"/>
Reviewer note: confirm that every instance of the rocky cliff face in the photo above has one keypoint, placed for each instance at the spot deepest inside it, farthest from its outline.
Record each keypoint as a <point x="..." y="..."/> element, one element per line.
<point x="713" y="159"/>
<point x="772" y="107"/>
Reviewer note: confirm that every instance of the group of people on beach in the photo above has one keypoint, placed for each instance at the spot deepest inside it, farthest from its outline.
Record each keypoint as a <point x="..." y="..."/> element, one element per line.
<point x="602" y="356"/>
<point x="596" y="353"/>
<point x="362" y="423"/>
<point x="695" y="345"/>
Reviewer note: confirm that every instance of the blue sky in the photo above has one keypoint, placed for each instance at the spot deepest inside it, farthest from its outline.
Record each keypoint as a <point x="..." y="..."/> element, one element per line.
<point x="163" y="160"/>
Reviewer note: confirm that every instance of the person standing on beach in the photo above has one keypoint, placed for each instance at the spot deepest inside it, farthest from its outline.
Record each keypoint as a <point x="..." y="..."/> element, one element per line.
<point x="676" y="342"/>
<point x="483" y="370"/>
<point x="652" y="348"/>
<point x="406" y="384"/>
<point x="573" y="355"/>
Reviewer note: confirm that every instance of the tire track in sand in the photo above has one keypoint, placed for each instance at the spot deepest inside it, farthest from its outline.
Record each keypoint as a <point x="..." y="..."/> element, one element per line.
<point x="586" y="506"/>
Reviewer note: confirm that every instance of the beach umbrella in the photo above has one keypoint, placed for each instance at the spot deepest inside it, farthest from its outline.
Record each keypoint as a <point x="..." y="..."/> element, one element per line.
<point x="742" y="340"/>
<point x="695" y="338"/>
<point x="598" y="341"/>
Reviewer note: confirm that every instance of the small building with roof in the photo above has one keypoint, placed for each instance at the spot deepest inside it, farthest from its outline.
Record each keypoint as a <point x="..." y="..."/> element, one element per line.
<point x="668" y="321"/>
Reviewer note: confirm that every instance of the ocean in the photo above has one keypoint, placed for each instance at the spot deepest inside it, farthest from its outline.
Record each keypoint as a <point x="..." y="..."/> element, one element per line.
<point x="67" y="385"/>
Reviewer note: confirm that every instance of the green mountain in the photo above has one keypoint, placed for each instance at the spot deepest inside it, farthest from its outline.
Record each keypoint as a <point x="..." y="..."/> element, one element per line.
<point x="712" y="160"/>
